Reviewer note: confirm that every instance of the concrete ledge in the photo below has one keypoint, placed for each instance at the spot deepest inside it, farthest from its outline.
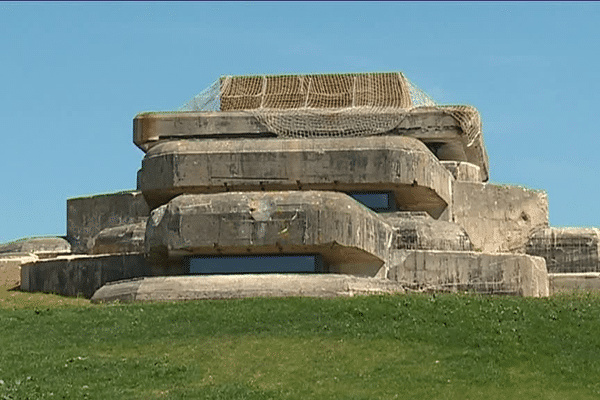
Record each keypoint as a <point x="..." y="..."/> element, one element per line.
<point x="351" y="238"/>
<point x="574" y="281"/>
<point x="512" y="274"/>
<point x="430" y="125"/>
<point x="567" y="249"/>
<point x="241" y="286"/>
<point x="402" y="165"/>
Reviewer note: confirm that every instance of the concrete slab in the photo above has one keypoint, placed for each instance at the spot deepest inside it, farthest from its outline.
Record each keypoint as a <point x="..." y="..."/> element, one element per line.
<point x="401" y="165"/>
<point x="566" y="249"/>
<point x="513" y="274"/>
<point x="242" y="286"/>
<point x="498" y="218"/>
<point x="433" y="126"/>
<point x="88" y="216"/>
<point x="42" y="247"/>
<point x="351" y="238"/>
<point x="572" y="282"/>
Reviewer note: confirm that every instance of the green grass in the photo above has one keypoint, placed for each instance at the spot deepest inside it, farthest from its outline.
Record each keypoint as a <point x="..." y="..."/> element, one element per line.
<point x="378" y="347"/>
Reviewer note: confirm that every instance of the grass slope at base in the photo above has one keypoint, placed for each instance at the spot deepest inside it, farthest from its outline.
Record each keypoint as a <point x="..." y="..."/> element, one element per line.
<point x="416" y="346"/>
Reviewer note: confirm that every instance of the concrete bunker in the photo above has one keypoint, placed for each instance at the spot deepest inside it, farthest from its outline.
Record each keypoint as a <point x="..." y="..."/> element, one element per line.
<point x="361" y="179"/>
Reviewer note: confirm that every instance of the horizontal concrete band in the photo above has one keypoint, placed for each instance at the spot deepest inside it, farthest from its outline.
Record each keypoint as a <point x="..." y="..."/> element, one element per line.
<point x="351" y="238"/>
<point x="241" y="286"/>
<point x="432" y="126"/>
<point x="502" y="273"/>
<point x="402" y="165"/>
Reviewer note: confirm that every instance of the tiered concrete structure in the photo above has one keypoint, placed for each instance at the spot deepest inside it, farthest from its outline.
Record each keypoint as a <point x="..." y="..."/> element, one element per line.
<point x="216" y="185"/>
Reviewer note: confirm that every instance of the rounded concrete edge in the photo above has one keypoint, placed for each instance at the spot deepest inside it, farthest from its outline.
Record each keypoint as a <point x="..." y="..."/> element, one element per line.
<point x="212" y="287"/>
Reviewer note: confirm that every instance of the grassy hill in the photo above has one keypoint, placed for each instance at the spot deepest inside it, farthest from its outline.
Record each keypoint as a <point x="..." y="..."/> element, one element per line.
<point x="417" y="346"/>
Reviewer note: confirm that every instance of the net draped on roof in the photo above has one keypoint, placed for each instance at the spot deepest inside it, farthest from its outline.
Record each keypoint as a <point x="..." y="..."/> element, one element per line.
<point x="330" y="105"/>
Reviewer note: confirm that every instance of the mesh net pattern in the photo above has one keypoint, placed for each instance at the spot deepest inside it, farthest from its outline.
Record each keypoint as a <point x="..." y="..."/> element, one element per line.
<point x="332" y="105"/>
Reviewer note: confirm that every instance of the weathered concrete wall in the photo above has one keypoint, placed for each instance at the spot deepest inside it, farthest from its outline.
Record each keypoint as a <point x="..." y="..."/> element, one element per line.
<point x="241" y="286"/>
<point x="571" y="282"/>
<point x="498" y="218"/>
<point x="87" y="216"/>
<point x="514" y="274"/>
<point x="402" y="165"/>
<point x="83" y="275"/>
<point x="351" y="238"/>
<point x="567" y="249"/>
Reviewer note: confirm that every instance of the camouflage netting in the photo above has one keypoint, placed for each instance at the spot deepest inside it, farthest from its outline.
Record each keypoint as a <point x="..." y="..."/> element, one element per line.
<point x="332" y="105"/>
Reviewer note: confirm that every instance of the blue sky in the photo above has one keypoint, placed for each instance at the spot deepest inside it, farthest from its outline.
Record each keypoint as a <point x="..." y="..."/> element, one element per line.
<point x="73" y="76"/>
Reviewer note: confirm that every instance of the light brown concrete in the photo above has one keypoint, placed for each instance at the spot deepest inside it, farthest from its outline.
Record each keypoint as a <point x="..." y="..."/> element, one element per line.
<point x="240" y="286"/>
<point x="433" y="126"/>
<point x="351" y="238"/>
<point x="88" y="216"/>
<point x="514" y="274"/>
<point x="498" y="218"/>
<point x="567" y="249"/>
<point x="402" y="165"/>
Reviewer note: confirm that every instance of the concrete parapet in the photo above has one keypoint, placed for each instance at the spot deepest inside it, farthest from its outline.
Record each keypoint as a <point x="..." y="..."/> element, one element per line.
<point x="82" y="274"/>
<point x="241" y="286"/>
<point x="567" y="249"/>
<point x="351" y="238"/>
<point x="514" y="274"/>
<point x="401" y="165"/>
<point x="570" y="282"/>
<point x="433" y="126"/>
<point x="88" y="216"/>
<point x="498" y="218"/>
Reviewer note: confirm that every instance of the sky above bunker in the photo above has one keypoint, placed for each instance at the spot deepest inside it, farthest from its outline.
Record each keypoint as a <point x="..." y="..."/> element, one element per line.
<point x="75" y="74"/>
